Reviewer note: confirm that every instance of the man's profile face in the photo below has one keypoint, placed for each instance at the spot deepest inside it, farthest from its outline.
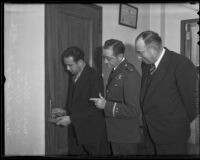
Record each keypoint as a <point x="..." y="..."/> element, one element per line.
<point x="109" y="58"/>
<point x="144" y="53"/>
<point x="71" y="66"/>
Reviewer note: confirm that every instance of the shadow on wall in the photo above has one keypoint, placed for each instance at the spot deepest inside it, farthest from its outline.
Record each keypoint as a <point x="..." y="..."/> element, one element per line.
<point x="131" y="56"/>
<point x="97" y="59"/>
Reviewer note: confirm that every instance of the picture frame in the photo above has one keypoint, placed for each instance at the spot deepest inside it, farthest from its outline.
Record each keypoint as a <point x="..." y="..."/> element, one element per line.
<point x="128" y="15"/>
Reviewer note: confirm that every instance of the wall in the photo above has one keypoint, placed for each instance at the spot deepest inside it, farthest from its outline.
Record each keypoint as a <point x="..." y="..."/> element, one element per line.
<point x="24" y="72"/>
<point x="166" y="20"/>
<point x="157" y="19"/>
<point x="112" y="29"/>
<point x="173" y="16"/>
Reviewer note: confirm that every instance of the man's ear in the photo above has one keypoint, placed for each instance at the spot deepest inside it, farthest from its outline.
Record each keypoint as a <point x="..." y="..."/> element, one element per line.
<point x="120" y="56"/>
<point x="80" y="62"/>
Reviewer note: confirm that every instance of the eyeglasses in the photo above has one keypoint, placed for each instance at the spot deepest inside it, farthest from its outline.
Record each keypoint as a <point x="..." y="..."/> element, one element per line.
<point x="108" y="58"/>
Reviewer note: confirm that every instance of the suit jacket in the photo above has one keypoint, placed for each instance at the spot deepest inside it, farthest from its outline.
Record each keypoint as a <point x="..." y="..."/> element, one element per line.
<point x="87" y="120"/>
<point x="122" y="119"/>
<point x="169" y="103"/>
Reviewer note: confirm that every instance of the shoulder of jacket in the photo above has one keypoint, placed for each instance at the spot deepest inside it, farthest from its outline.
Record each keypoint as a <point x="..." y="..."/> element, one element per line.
<point x="129" y="67"/>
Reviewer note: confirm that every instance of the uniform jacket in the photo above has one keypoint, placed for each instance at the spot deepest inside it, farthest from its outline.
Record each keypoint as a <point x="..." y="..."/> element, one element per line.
<point x="88" y="121"/>
<point x="122" y="107"/>
<point x="169" y="103"/>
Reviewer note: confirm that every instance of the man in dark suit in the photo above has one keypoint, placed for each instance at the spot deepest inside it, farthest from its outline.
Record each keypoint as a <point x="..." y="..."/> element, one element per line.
<point x="86" y="123"/>
<point x="167" y="96"/>
<point x="121" y="105"/>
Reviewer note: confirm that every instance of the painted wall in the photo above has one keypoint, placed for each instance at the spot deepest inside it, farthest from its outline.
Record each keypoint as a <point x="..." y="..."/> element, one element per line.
<point x="157" y="19"/>
<point x="173" y="16"/>
<point x="112" y="29"/>
<point x="166" y="20"/>
<point x="24" y="72"/>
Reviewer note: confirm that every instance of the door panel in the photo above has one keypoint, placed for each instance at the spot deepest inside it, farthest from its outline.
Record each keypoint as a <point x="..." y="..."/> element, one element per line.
<point x="67" y="25"/>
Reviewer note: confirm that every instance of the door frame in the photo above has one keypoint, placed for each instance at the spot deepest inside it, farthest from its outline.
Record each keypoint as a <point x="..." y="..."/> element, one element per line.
<point x="183" y="34"/>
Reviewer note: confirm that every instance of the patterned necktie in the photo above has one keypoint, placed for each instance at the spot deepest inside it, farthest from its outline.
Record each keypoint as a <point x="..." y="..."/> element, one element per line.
<point x="152" y="69"/>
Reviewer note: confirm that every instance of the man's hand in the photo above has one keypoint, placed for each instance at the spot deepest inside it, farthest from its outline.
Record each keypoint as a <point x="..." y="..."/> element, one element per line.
<point x="99" y="102"/>
<point x="57" y="112"/>
<point x="64" y="121"/>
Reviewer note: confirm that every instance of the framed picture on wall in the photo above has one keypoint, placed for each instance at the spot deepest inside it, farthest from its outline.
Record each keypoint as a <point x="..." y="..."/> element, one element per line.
<point x="128" y="15"/>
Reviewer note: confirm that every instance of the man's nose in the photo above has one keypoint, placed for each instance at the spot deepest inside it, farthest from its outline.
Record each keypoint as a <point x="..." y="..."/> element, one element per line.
<point x="68" y="68"/>
<point x="139" y="57"/>
<point x="105" y="60"/>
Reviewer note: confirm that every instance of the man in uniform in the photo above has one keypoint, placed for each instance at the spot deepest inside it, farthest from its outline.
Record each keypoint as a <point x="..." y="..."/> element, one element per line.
<point x="121" y="105"/>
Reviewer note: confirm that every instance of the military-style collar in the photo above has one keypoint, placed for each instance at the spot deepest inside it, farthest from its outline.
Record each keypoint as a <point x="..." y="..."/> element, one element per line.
<point x="123" y="65"/>
<point x="119" y="64"/>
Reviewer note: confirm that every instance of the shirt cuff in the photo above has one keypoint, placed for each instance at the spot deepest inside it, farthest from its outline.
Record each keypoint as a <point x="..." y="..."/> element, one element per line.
<point x="114" y="106"/>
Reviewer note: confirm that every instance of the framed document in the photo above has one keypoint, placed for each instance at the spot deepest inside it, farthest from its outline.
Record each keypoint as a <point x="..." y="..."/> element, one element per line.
<point x="128" y="15"/>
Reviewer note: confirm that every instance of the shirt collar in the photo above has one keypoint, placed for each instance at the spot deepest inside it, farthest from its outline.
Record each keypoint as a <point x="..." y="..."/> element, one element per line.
<point x="119" y="63"/>
<point x="78" y="75"/>
<point x="160" y="57"/>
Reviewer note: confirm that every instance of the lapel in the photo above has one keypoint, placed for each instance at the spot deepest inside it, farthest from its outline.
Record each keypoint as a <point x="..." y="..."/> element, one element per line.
<point x="117" y="71"/>
<point x="80" y="81"/>
<point x="158" y="74"/>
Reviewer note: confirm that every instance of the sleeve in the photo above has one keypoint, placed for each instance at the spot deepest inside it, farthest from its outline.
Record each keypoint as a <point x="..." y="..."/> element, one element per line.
<point x="68" y="96"/>
<point x="96" y="87"/>
<point x="186" y="77"/>
<point x="130" y="107"/>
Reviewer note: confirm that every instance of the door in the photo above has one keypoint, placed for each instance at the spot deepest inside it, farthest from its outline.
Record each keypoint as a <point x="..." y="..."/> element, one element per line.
<point x="67" y="25"/>
<point x="189" y="40"/>
<point x="190" y="49"/>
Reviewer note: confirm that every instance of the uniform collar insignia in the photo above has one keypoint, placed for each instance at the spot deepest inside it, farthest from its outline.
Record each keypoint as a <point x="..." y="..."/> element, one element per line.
<point x="119" y="76"/>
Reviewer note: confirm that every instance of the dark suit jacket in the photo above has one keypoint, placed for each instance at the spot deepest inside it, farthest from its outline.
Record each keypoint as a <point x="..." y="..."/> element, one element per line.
<point x="169" y="103"/>
<point x="123" y="88"/>
<point x="87" y="120"/>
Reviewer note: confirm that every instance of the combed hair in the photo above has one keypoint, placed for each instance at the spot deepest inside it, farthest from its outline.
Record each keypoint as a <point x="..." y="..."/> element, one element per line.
<point x="151" y="38"/>
<point x="116" y="45"/>
<point x="74" y="52"/>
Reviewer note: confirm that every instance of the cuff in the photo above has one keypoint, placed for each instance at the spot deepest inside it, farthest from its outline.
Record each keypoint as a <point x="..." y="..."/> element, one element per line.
<point x="114" y="106"/>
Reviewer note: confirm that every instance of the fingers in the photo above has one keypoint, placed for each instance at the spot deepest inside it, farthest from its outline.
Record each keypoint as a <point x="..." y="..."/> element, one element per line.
<point x="94" y="99"/>
<point x="58" y="122"/>
<point x="97" y="99"/>
<point x="100" y="95"/>
<point x="58" y="118"/>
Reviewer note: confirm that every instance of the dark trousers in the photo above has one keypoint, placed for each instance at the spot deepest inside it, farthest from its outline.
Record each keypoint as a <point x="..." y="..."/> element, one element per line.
<point x="74" y="148"/>
<point x="152" y="148"/>
<point x="124" y="148"/>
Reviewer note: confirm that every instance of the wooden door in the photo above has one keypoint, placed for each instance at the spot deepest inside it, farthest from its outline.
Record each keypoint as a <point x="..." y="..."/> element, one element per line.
<point x="67" y="25"/>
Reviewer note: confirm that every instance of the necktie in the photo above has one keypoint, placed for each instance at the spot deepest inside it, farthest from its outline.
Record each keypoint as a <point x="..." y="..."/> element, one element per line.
<point x="110" y="76"/>
<point x="152" y="69"/>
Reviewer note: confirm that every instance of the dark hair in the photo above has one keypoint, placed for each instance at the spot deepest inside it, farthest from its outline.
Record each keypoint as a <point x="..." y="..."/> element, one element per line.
<point x="74" y="52"/>
<point x="116" y="45"/>
<point x="151" y="38"/>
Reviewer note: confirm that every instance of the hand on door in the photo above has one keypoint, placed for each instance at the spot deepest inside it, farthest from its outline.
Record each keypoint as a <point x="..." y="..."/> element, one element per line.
<point x="64" y="121"/>
<point x="58" y="112"/>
